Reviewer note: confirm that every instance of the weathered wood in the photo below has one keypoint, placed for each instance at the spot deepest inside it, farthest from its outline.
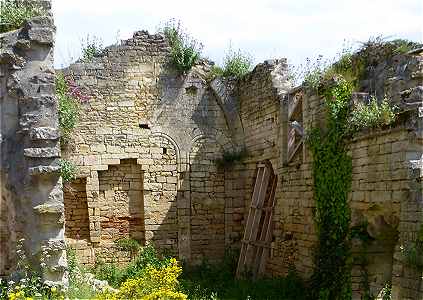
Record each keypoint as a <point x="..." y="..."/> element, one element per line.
<point x="255" y="246"/>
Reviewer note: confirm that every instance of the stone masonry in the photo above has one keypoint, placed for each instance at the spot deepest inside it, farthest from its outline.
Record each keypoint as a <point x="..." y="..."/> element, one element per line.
<point x="31" y="188"/>
<point x="147" y="145"/>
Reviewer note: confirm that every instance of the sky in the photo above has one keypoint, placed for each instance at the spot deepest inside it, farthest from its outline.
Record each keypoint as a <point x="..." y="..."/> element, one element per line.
<point x="266" y="29"/>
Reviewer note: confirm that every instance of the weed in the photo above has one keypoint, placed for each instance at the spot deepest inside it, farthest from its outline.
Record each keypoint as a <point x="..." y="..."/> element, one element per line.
<point x="92" y="47"/>
<point x="236" y="64"/>
<point x="372" y="115"/>
<point x="185" y="51"/>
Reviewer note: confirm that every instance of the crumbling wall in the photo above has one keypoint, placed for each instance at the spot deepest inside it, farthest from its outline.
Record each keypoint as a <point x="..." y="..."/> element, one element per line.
<point x="172" y="127"/>
<point x="31" y="189"/>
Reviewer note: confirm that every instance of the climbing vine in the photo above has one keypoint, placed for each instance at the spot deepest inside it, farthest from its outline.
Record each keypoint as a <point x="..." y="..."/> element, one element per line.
<point x="332" y="170"/>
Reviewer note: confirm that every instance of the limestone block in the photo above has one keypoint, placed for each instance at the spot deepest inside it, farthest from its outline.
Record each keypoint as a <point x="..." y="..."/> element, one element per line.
<point x="42" y="152"/>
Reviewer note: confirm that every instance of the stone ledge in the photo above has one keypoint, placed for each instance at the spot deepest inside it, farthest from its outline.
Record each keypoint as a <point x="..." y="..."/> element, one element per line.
<point x="50" y="208"/>
<point x="44" y="133"/>
<point x="43" y="170"/>
<point x="42" y="152"/>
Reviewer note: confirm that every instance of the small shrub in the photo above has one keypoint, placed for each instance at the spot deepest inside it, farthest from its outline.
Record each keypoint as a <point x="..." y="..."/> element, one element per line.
<point x="236" y="64"/>
<point x="185" y="51"/>
<point x="116" y="276"/>
<point x="13" y="13"/>
<point x="413" y="253"/>
<point x="372" y="115"/>
<point x="229" y="158"/>
<point x="153" y="283"/>
<point x="78" y="288"/>
<point x="91" y="47"/>
<point x="67" y="170"/>
<point x="69" y="98"/>
<point x="109" y="272"/>
<point x="68" y="108"/>
<point x="128" y="244"/>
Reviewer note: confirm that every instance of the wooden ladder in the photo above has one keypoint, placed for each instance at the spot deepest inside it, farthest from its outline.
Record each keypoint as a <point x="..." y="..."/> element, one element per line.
<point x="255" y="246"/>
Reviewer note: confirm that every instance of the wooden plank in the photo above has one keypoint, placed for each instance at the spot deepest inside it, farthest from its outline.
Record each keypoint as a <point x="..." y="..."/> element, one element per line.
<point x="251" y="250"/>
<point x="268" y="236"/>
<point x="255" y="246"/>
<point x="248" y="225"/>
<point x="264" y="245"/>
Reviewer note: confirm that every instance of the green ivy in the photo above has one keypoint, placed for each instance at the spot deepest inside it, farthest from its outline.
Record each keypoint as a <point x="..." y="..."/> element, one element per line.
<point x="14" y="13"/>
<point x="332" y="172"/>
<point x="67" y="170"/>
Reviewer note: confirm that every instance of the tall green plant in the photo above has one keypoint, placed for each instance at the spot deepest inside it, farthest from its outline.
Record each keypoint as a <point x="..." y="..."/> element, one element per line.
<point x="92" y="47"/>
<point x="68" y="107"/>
<point x="372" y="115"/>
<point x="236" y="64"/>
<point x="13" y="13"/>
<point x="185" y="51"/>
<point x="332" y="173"/>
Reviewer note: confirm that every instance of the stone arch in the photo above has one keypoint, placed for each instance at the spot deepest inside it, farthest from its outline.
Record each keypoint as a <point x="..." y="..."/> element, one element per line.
<point x="207" y="199"/>
<point x="173" y="142"/>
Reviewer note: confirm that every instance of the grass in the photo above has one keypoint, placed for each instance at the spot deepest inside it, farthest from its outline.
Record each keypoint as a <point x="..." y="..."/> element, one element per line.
<point x="213" y="282"/>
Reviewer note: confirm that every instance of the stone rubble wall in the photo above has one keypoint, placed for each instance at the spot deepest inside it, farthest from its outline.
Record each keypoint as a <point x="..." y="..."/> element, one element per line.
<point x="31" y="188"/>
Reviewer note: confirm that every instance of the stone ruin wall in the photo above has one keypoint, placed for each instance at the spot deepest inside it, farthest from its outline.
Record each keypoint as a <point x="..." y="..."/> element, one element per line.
<point x="31" y="202"/>
<point x="252" y="114"/>
<point x="146" y="146"/>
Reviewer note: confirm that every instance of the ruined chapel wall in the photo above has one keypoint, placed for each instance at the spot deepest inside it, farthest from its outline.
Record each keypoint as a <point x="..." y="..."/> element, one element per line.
<point x="385" y="187"/>
<point x="140" y="108"/>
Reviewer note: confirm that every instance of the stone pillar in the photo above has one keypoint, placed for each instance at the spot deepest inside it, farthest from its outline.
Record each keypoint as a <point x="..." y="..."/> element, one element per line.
<point x="30" y="145"/>
<point x="184" y="209"/>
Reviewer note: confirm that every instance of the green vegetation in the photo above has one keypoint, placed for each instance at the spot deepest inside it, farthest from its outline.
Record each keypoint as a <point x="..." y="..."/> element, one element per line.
<point x="353" y="66"/>
<point x="413" y="252"/>
<point x="213" y="282"/>
<point x="360" y="232"/>
<point x="185" y="51"/>
<point x="332" y="167"/>
<point x="78" y="287"/>
<point x="14" y="13"/>
<point x="332" y="173"/>
<point x="372" y="115"/>
<point x="68" y="107"/>
<point x="116" y="276"/>
<point x="67" y="170"/>
<point x="236" y="64"/>
<point x="229" y="158"/>
<point x="128" y="244"/>
<point x="91" y="47"/>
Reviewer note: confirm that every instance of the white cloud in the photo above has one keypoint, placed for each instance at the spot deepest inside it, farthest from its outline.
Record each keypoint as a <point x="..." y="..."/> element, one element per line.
<point x="282" y="28"/>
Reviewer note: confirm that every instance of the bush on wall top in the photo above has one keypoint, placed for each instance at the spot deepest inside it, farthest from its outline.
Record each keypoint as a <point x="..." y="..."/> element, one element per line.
<point x="185" y="50"/>
<point x="236" y="64"/>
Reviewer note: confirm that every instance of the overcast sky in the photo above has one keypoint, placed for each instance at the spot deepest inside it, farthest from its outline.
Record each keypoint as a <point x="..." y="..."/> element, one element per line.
<point x="295" y="29"/>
